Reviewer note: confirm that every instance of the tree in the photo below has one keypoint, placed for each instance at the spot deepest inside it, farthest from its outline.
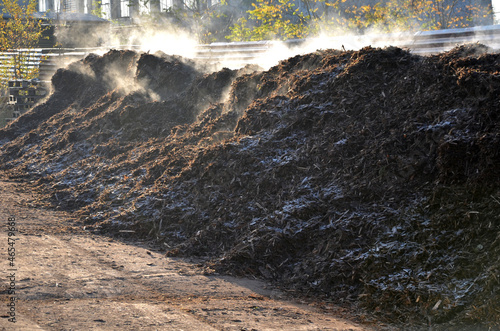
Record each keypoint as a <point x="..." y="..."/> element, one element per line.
<point x="20" y="32"/>
<point x="403" y="15"/>
<point x="271" y="19"/>
<point x="279" y="19"/>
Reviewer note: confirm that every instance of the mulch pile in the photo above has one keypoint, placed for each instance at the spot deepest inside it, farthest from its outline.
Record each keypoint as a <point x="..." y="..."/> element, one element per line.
<point x="369" y="178"/>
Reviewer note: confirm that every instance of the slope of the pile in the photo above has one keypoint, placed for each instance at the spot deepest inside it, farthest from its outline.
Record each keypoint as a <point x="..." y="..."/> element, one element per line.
<point x="365" y="177"/>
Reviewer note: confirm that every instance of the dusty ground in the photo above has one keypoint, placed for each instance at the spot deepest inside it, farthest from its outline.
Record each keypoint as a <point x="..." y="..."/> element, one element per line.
<point x="69" y="279"/>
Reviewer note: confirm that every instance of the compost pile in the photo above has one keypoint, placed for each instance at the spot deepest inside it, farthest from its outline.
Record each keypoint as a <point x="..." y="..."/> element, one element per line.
<point x="367" y="178"/>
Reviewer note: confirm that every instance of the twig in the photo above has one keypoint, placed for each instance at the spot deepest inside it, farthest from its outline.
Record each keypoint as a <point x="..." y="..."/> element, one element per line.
<point x="496" y="200"/>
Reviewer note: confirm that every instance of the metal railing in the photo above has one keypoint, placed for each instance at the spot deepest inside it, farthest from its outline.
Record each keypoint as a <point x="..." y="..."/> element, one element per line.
<point x="45" y="60"/>
<point x="423" y="42"/>
<point x="237" y="54"/>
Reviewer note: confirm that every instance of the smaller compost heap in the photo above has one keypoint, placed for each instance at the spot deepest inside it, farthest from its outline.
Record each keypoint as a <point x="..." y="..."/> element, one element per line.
<point x="369" y="178"/>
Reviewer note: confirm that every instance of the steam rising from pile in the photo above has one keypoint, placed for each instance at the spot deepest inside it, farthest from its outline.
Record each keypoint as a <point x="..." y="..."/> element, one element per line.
<point x="176" y="41"/>
<point x="152" y="40"/>
<point x="280" y="50"/>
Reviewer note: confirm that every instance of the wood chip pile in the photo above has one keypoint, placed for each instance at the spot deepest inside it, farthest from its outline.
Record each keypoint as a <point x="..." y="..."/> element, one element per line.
<point x="368" y="178"/>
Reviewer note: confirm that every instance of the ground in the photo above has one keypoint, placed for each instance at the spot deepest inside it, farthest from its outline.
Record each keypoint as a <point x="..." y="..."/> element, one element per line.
<point x="69" y="279"/>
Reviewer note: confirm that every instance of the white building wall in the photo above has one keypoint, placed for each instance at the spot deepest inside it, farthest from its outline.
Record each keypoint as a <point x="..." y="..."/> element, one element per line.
<point x="496" y="11"/>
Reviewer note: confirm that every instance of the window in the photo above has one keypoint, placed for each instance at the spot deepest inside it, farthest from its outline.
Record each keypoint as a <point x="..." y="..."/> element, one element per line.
<point x="106" y="9"/>
<point x="124" y="8"/>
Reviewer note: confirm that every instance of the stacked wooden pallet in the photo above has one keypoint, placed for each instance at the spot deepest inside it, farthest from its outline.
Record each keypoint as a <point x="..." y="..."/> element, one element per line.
<point x="24" y="94"/>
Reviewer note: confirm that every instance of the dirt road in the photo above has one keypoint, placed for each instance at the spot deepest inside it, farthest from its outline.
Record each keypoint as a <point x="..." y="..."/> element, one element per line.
<point x="59" y="277"/>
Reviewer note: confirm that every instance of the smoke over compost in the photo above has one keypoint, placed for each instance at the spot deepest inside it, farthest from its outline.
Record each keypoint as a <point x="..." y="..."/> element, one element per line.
<point x="366" y="178"/>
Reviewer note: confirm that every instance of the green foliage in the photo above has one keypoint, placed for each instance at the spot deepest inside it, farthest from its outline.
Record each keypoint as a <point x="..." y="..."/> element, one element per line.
<point x="214" y="23"/>
<point x="20" y="32"/>
<point x="401" y="15"/>
<point x="278" y="19"/>
<point x="250" y="20"/>
<point x="271" y="19"/>
<point x="97" y="8"/>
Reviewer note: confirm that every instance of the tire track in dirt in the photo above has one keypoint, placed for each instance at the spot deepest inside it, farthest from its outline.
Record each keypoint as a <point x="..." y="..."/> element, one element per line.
<point x="68" y="279"/>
